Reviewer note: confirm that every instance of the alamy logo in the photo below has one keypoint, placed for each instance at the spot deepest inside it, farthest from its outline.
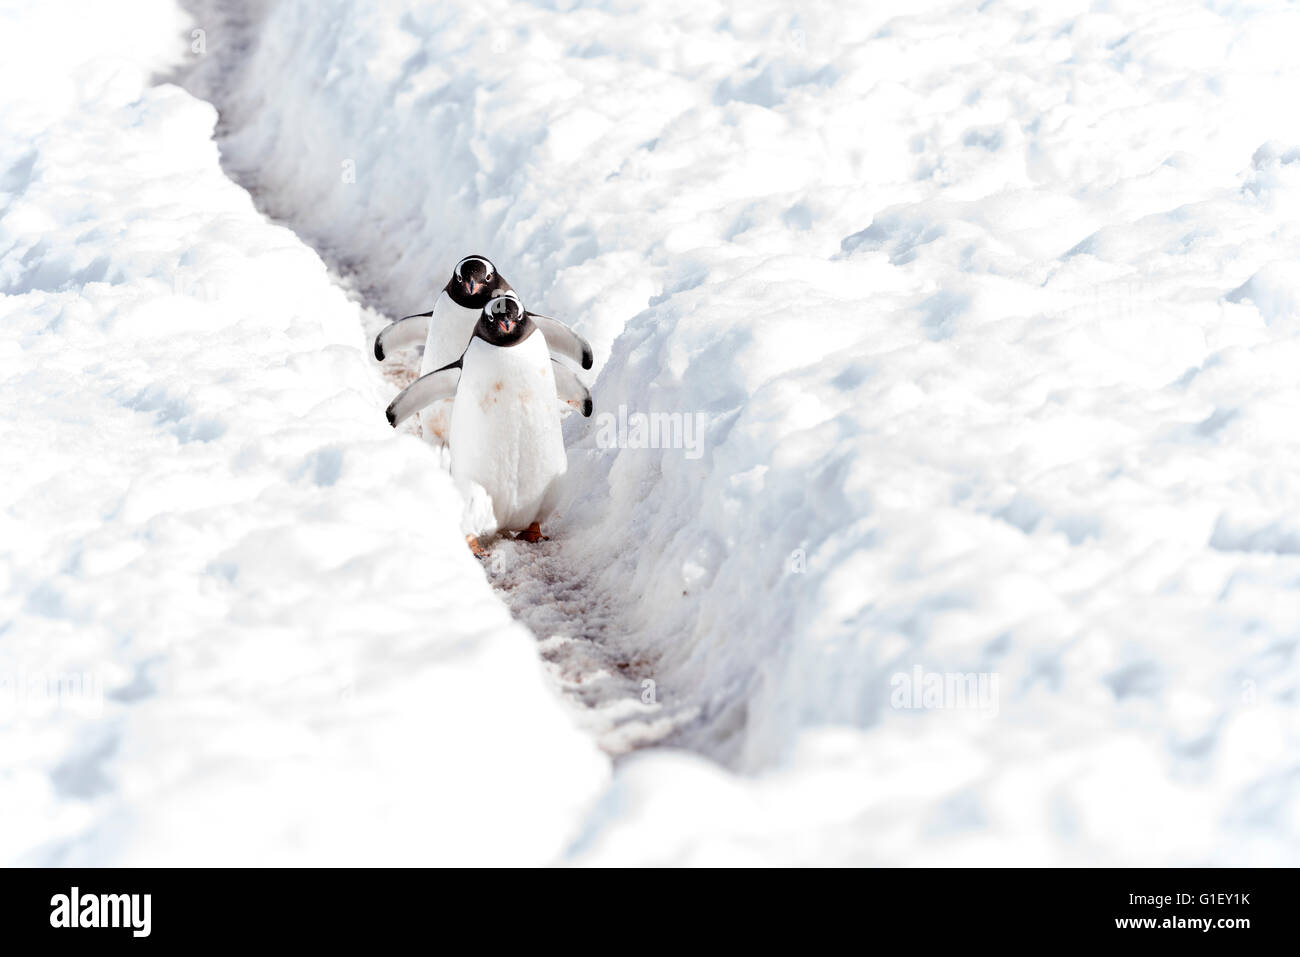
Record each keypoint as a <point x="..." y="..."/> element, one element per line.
<point x="102" y="910"/>
<point x="945" y="690"/>
<point x="40" y="692"/>
<point x="651" y="430"/>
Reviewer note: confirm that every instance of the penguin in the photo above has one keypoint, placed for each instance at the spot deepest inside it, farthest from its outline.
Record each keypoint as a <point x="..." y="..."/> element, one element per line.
<point x="473" y="283"/>
<point x="459" y="298"/>
<point x="447" y="328"/>
<point x="504" y="435"/>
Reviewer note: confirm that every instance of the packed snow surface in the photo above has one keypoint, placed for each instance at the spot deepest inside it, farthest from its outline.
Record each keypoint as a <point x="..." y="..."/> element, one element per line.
<point x="988" y="317"/>
<point x="235" y="629"/>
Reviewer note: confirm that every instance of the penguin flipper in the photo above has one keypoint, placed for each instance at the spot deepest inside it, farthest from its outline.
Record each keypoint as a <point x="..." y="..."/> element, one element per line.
<point x="423" y="392"/>
<point x="407" y="331"/>
<point x="563" y="341"/>
<point x="570" y="389"/>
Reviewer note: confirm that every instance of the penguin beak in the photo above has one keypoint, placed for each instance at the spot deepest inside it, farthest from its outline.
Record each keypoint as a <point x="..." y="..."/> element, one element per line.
<point x="472" y="286"/>
<point x="506" y="325"/>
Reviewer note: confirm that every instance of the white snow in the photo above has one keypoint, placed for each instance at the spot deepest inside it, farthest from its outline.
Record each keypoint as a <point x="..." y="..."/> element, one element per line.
<point x="206" y="515"/>
<point x="990" y="312"/>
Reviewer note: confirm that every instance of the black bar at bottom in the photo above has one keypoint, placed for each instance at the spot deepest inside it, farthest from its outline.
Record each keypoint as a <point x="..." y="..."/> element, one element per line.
<point x="1223" y="908"/>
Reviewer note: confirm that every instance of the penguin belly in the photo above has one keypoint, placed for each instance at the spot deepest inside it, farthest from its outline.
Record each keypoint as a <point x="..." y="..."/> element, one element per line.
<point x="505" y="435"/>
<point x="450" y="328"/>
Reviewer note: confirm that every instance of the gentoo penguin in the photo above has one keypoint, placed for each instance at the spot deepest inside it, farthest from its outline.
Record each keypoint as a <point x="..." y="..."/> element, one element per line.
<point x="504" y="435"/>
<point x="473" y="282"/>
<point x="460" y="298"/>
<point x="447" y="328"/>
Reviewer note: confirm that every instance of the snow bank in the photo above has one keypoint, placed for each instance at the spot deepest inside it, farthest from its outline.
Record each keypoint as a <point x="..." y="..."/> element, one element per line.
<point x="237" y="620"/>
<point x="982" y="310"/>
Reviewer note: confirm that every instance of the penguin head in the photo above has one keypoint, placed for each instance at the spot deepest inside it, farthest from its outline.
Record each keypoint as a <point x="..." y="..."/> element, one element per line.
<point x="473" y="282"/>
<point x="504" y="321"/>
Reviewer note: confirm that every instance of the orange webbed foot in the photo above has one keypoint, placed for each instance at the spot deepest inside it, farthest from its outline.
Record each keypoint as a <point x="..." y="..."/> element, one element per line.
<point x="532" y="534"/>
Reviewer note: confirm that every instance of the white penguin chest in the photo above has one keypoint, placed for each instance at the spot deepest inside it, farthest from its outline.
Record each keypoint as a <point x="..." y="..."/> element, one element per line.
<point x="505" y="433"/>
<point x="450" y="328"/>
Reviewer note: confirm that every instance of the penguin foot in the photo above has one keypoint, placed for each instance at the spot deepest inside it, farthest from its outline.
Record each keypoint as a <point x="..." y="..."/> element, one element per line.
<point x="532" y="534"/>
<point x="475" y="547"/>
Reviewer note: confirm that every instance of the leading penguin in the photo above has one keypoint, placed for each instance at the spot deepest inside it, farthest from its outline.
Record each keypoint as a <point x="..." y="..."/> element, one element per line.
<point x="504" y="435"/>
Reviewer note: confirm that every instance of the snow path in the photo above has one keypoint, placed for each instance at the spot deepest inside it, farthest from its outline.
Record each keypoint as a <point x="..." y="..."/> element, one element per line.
<point x="577" y="619"/>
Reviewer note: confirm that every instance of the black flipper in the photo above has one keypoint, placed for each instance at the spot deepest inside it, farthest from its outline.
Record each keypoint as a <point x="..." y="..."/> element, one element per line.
<point x="423" y="392"/>
<point x="563" y="341"/>
<point x="570" y="389"/>
<point x="407" y="331"/>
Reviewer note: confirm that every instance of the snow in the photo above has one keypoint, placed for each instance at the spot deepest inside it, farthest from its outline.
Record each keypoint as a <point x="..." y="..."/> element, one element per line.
<point x="206" y="513"/>
<point x="988" y="312"/>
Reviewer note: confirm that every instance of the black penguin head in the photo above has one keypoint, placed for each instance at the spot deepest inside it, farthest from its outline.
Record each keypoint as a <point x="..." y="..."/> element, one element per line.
<point x="474" y="281"/>
<point x="504" y="322"/>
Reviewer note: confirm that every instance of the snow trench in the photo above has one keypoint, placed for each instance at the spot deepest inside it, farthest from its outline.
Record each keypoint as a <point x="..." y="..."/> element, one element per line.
<point x="581" y="620"/>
